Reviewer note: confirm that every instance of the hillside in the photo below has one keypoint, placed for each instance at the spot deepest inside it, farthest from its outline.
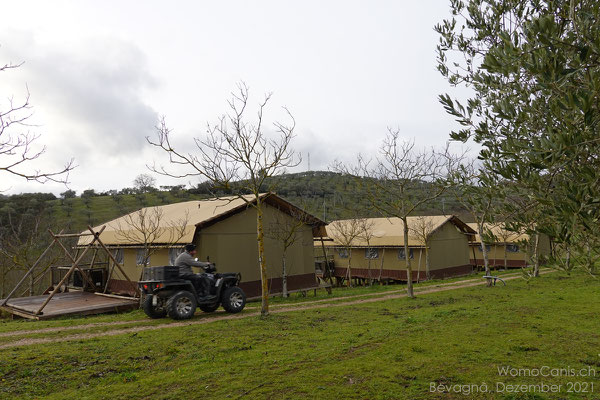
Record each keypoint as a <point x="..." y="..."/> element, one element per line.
<point x="327" y="195"/>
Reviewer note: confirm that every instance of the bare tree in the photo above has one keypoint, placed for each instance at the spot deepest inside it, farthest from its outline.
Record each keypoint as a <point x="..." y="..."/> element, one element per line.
<point x="144" y="183"/>
<point x="149" y="227"/>
<point x="287" y="230"/>
<point x="366" y="233"/>
<point x="344" y="233"/>
<point x="23" y="238"/>
<point x="401" y="180"/>
<point x="237" y="151"/>
<point x="477" y="192"/>
<point x="422" y="228"/>
<point x="17" y="149"/>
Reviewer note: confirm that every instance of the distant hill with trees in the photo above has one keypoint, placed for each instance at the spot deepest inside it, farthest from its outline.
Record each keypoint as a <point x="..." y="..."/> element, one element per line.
<point x="327" y="195"/>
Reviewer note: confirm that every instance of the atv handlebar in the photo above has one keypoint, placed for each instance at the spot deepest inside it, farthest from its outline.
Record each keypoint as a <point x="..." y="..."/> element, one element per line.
<point x="211" y="268"/>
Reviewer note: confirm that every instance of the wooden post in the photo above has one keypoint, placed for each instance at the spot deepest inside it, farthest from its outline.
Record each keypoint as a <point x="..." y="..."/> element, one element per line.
<point x="27" y="274"/>
<point x="111" y="268"/>
<point x="68" y="254"/>
<point x="137" y="290"/>
<point x="70" y="271"/>
<point x="38" y="279"/>
<point x="326" y="261"/>
<point x="94" y="258"/>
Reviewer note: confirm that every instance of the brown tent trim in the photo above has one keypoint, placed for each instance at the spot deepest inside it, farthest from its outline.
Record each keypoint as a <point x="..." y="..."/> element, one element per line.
<point x="273" y="200"/>
<point x="462" y="226"/>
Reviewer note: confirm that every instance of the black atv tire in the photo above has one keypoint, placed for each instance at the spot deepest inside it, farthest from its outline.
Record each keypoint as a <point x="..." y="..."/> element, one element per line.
<point x="233" y="299"/>
<point x="152" y="311"/>
<point x="208" y="307"/>
<point x="182" y="305"/>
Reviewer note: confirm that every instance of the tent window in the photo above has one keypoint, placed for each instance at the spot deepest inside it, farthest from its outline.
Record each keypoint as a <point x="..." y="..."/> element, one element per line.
<point x="140" y="258"/>
<point x="118" y="255"/>
<point x="371" y="253"/>
<point x="401" y="254"/>
<point x="343" y="253"/>
<point x="512" y="248"/>
<point x="173" y="254"/>
<point x="487" y="248"/>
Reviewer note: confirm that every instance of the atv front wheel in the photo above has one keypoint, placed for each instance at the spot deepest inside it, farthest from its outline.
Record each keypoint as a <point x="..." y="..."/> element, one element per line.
<point x="154" y="311"/>
<point x="233" y="300"/>
<point x="182" y="305"/>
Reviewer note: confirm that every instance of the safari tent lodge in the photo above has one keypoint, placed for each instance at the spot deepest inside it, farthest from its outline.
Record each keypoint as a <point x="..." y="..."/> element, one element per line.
<point x="224" y="231"/>
<point x="506" y="249"/>
<point x="444" y="238"/>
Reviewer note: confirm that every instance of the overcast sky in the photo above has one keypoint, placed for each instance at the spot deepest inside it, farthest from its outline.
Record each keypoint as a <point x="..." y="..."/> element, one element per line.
<point x="100" y="73"/>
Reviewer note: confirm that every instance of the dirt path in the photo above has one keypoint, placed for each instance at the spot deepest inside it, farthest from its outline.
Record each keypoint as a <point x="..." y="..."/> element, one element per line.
<point x="207" y="318"/>
<point x="250" y="308"/>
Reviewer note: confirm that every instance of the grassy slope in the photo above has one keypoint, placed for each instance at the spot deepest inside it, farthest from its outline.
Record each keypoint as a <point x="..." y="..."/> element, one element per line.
<point x="313" y="191"/>
<point x="102" y="209"/>
<point x="391" y="349"/>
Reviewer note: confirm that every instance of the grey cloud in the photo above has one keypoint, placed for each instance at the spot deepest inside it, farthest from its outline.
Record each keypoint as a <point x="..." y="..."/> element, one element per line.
<point x="93" y="92"/>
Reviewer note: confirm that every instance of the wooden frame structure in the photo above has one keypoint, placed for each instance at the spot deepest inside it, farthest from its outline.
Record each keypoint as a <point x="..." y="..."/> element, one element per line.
<point x="95" y="244"/>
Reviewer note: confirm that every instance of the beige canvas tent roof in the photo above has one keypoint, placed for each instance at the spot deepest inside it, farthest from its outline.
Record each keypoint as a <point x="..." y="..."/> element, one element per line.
<point x="499" y="231"/>
<point x="389" y="232"/>
<point x="177" y="223"/>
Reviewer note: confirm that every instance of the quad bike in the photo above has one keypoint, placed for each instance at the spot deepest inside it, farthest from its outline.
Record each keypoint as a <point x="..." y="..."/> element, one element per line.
<point x="168" y="294"/>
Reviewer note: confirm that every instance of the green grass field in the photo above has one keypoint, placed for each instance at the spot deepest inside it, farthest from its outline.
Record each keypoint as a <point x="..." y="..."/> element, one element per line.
<point x="389" y="349"/>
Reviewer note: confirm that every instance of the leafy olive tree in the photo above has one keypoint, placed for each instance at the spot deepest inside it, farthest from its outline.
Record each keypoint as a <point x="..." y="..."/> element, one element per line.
<point x="533" y="69"/>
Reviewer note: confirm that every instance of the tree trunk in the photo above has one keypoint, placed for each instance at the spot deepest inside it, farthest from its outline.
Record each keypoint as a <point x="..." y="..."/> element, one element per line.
<point x="427" y="263"/>
<point x="536" y="256"/>
<point x="486" y="262"/>
<point x="381" y="265"/>
<point x="409" y="284"/>
<point x="369" y="270"/>
<point x="264" y="307"/>
<point x="475" y="258"/>
<point x="31" y="285"/>
<point x="419" y="267"/>
<point x="284" y="278"/>
<point x="505" y="256"/>
<point x="349" y="270"/>
<point x="568" y="260"/>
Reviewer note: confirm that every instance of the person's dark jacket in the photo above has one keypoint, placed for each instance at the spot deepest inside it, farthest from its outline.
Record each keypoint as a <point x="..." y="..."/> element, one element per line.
<point x="185" y="262"/>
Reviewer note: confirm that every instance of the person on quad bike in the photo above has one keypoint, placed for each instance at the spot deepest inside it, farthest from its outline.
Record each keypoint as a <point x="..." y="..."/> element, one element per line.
<point x="185" y="261"/>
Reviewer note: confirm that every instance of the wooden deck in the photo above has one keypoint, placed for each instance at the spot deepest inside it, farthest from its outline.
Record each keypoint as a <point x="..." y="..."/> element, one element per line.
<point x="80" y="303"/>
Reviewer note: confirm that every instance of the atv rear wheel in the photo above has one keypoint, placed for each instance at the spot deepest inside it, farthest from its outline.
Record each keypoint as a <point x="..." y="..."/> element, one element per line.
<point x="154" y="311"/>
<point x="233" y="299"/>
<point x="182" y="305"/>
